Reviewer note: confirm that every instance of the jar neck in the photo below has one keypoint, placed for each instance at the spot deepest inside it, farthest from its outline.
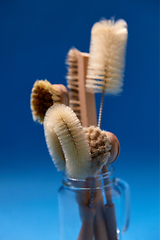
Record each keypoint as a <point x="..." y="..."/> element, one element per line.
<point x="106" y="175"/>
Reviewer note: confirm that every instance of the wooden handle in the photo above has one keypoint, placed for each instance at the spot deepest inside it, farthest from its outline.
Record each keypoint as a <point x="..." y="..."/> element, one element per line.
<point x="63" y="93"/>
<point x="86" y="231"/>
<point x="87" y="100"/>
<point x="100" y="229"/>
<point x="111" y="221"/>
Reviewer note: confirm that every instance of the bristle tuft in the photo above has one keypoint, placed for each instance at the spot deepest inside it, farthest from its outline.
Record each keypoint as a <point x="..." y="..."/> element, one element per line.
<point x="72" y="81"/>
<point x="72" y="139"/>
<point x="42" y="97"/>
<point x="99" y="145"/>
<point x="107" y="56"/>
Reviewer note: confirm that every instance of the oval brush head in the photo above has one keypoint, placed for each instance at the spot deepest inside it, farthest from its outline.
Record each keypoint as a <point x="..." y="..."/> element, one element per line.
<point x="107" y="55"/>
<point x="44" y="95"/>
<point x="100" y="147"/>
<point x="64" y="123"/>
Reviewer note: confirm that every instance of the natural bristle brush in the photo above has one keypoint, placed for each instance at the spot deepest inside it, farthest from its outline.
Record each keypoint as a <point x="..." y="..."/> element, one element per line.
<point x="44" y="95"/>
<point x="107" y="58"/>
<point x="61" y="124"/>
<point x="105" y="75"/>
<point x="82" y="102"/>
<point x="100" y="148"/>
<point x="104" y="149"/>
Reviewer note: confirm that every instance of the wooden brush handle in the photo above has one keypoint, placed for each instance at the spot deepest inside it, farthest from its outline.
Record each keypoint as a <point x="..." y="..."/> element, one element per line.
<point x="111" y="221"/>
<point x="100" y="230"/>
<point x="86" y="214"/>
<point x="86" y="231"/>
<point x="87" y="100"/>
<point x="109" y="209"/>
<point x="63" y="93"/>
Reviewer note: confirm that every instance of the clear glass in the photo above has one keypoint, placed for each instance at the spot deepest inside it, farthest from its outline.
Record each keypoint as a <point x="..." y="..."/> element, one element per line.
<point x="95" y="208"/>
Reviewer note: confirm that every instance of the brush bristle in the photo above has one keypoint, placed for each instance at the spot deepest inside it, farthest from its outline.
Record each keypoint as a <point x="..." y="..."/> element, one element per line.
<point x="42" y="97"/>
<point x="72" y="81"/>
<point x="107" y="57"/>
<point x="53" y="144"/>
<point x="99" y="145"/>
<point x="64" y="123"/>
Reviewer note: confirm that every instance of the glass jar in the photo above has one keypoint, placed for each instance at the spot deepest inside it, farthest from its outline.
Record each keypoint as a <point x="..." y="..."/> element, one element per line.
<point x="94" y="209"/>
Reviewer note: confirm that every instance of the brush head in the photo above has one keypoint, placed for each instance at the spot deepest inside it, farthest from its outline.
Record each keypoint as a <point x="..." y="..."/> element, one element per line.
<point x="100" y="147"/>
<point x="107" y="56"/>
<point x="44" y="95"/>
<point x="72" y="81"/>
<point x="62" y="121"/>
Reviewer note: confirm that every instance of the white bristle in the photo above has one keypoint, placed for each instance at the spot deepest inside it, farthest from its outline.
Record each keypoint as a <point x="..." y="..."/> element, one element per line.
<point x="64" y="123"/>
<point x="107" y="56"/>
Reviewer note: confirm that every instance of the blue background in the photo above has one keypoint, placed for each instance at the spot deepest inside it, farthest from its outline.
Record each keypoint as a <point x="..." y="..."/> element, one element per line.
<point x="35" y="37"/>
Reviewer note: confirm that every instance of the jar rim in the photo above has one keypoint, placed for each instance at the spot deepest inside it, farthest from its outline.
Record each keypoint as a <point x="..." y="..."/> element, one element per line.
<point x="84" y="184"/>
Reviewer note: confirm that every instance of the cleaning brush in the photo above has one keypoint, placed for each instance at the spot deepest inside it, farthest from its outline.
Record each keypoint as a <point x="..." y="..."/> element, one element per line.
<point x="81" y="102"/>
<point x="44" y="95"/>
<point x="60" y="120"/>
<point x="107" y="58"/>
<point x="100" y="147"/>
<point x="104" y="149"/>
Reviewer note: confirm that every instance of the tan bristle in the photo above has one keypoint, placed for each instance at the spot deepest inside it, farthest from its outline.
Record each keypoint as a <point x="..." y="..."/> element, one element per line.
<point x="64" y="123"/>
<point x="72" y="81"/>
<point x="53" y="144"/>
<point x="43" y="96"/>
<point x="107" y="57"/>
<point x="100" y="146"/>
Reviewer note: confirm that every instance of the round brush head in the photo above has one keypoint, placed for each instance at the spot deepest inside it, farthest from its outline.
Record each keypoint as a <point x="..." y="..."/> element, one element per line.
<point x="100" y="147"/>
<point x="44" y="95"/>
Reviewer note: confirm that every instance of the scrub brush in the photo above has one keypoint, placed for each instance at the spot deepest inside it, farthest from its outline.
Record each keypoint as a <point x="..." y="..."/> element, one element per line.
<point x="100" y="147"/>
<point x="44" y="95"/>
<point x="81" y="102"/>
<point x="61" y="122"/>
<point x="105" y="75"/>
<point x="107" y="58"/>
<point x="100" y="152"/>
<point x="104" y="149"/>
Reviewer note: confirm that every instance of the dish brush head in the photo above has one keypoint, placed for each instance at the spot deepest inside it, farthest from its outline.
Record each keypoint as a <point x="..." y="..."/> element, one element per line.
<point x="107" y="56"/>
<point x="64" y="123"/>
<point x="100" y="146"/>
<point x="44" y="95"/>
